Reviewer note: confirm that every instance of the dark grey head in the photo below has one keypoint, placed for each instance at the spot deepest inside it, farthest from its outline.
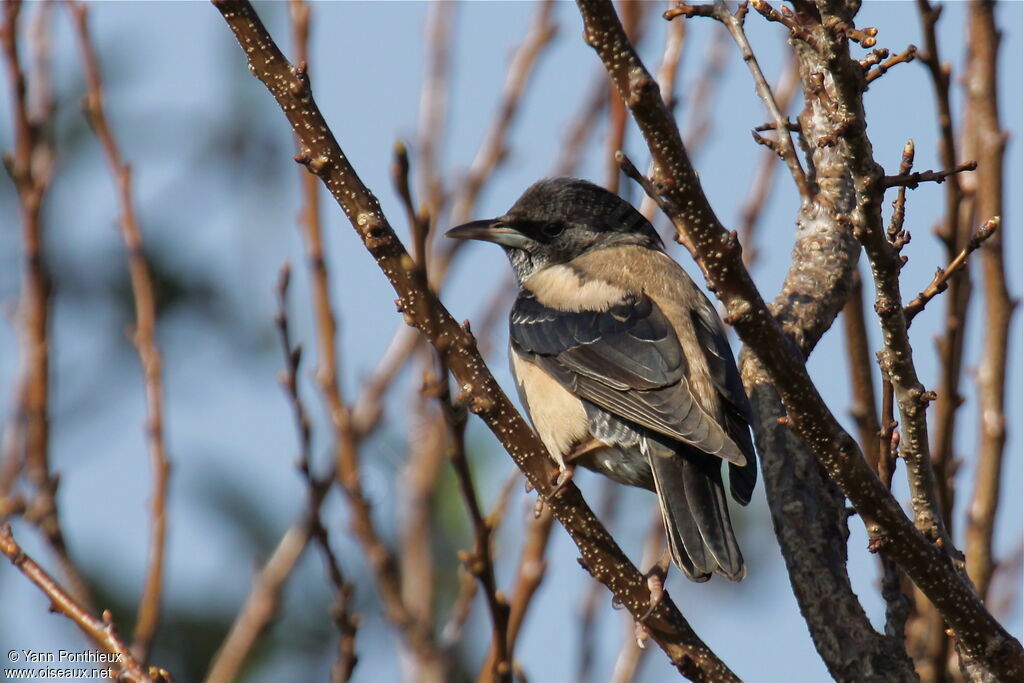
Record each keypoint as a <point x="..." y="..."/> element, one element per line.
<point x="558" y="219"/>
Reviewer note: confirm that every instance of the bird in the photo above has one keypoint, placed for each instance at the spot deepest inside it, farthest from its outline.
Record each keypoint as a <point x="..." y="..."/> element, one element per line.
<point x="623" y="365"/>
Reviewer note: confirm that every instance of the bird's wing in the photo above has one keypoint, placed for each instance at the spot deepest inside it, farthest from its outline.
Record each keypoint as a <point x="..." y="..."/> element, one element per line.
<point x="627" y="360"/>
<point x="726" y="377"/>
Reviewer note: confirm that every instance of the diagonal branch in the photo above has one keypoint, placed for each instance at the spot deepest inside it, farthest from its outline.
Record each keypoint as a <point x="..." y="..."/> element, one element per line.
<point x="721" y="260"/>
<point x="323" y="156"/>
<point x="734" y="23"/>
<point x="101" y="631"/>
<point x="940" y="282"/>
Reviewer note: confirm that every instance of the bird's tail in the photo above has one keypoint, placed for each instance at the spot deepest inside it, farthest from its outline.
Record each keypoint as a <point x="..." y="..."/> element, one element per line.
<point x="696" y="514"/>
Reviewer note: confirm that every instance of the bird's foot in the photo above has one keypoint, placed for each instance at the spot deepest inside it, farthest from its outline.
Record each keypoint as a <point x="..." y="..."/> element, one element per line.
<point x="656" y="585"/>
<point x="561" y="478"/>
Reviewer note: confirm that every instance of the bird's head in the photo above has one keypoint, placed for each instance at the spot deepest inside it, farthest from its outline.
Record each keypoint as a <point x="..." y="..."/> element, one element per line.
<point x="558" y="219"/>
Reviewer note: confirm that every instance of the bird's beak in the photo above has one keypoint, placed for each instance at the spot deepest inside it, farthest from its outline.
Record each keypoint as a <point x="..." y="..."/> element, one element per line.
<point x="490" y="230"/>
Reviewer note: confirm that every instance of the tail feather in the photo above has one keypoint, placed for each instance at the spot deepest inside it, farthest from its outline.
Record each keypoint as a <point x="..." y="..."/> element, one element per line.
<point x="696" y="514"/>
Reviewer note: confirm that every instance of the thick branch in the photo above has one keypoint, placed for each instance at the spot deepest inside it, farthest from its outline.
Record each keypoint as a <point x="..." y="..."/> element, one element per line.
<point x="600" y="554"/>
<point x="721" y="261"/>
<point x="983" y="102"/>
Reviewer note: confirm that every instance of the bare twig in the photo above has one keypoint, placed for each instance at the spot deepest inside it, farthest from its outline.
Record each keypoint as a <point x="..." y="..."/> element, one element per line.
<point x="610" y="494"/>
<point x="101" y="631"/>
<point x="957" y="222"/>
<point x="764" y="178"/>
<point x="31" y="167"/>
<point x="699" y="104"/>
<point x="632" y="653"/>
<point x="896" y="235"/>
<point x="529" y="572"/>
<point x="940" y="282"/>
<point x="632" y="21"/>
<point x="904" y="57"/>
<point x="479" y="562"/>
<point x="324" y="157"/>
<point x="144" y="337"/>
<point x="261" y="604"/>
<point x="999" y="307"/>
<point x="912" y="180"/>
<point x="863" y="408"/>
<point x="316" y="487"/>
<point x="668" y="73"/>
<point x="434" y="103"/>
<point x="493" y="149"/>
<point x="785" y="149"/>
<point x="451" y="633"/>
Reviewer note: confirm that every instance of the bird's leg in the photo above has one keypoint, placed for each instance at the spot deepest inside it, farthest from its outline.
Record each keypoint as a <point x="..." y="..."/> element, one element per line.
<point x="563" y="475"/>
<point x="656" y="583"/>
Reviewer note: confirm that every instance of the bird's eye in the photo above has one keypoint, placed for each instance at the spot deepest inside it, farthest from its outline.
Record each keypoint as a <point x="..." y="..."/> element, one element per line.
<point x="553" y="229"/>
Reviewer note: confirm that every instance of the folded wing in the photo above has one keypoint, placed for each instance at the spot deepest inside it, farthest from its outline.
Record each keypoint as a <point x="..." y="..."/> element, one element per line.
<point x="626" y="360"/>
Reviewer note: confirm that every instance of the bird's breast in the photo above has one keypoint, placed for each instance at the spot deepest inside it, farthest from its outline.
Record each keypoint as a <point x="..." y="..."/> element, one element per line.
<point x="557" y="415"/>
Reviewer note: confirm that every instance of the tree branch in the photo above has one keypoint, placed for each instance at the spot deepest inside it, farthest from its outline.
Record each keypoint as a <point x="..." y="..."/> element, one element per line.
<point x="101" y="631"/>
<point x="31" y="169"/>
<point x="144" y="337"/>
<point x="601" y="556"/>
<point x="721" y="261"/>
<point x="983" y="103"/>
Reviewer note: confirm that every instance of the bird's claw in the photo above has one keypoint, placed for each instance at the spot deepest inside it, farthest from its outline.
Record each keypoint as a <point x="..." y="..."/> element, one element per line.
<point x="641" y="634"/>
<point x="561" y="478"/>
<point x="656" y="585"/>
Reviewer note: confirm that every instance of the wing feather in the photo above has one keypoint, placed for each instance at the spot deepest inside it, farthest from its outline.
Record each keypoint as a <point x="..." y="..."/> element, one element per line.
<point x="626" y="360"/>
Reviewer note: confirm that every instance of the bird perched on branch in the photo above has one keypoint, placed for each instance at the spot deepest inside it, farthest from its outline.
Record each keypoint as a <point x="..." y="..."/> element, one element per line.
<point x="623" y="365"/>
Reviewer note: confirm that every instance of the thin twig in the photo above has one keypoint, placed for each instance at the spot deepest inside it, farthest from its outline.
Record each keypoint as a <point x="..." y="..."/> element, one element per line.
<point x="479" y="561"/>
<point x="493" y="149"/>
<point x="668" y="73"/>
<point x="611" y="492"/>
<point x="863" y="407"/>
<point x="904" y="57"/>
<point x="957" y="222"/>
<point x="101" y="631"/>
<point x="786" y="150"/>
<point x="764" y="177"/>
<point x="260" y="605"/>
<point x="896" y="235"/>
<point x="434" y="103"/>
<point x="316" y="487"/>
<point x="451" y="633"/>
<point x="31" y="169"/>
<point x="583" y="124"/>
<point x="940" y="282"/>
<point x="633" y="651"/>
<point x="912" y="180"/>
<point x="144" y="337"/>
<point x="530" y="572"/>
